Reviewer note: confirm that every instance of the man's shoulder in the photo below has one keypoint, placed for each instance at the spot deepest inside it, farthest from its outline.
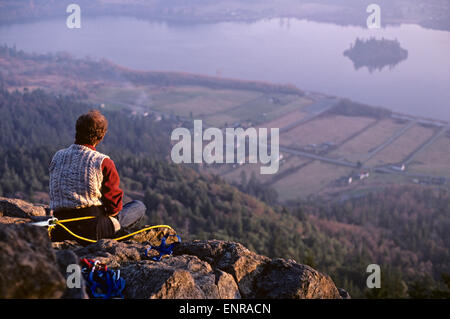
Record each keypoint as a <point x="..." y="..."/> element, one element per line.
<point x="76" y="148"/>
<point x="108" y="164"/>
<point x="60" y="152"/>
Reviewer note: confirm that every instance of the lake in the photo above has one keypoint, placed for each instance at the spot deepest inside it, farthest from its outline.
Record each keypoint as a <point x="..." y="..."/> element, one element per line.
<point x="304" y="53"/>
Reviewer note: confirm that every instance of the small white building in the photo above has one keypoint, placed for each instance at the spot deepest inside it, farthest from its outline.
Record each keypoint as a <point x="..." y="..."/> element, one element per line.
<point x="399" y="168"/>
<point x="357" y="177"/>
<point x="364" y="175"/>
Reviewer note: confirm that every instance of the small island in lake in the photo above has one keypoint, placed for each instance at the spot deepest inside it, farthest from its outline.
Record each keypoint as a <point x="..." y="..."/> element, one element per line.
<point x="376" y="54"/>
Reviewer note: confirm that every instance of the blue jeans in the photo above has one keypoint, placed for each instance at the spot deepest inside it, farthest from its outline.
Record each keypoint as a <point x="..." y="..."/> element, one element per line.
<point x="131" y="213"/>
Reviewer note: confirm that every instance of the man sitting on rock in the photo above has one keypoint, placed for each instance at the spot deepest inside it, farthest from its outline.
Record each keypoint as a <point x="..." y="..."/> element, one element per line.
<point x="85" y="182"/>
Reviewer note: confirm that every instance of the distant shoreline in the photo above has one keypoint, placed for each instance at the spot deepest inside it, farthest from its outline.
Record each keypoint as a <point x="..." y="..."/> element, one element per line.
<point x="434" y="18"/>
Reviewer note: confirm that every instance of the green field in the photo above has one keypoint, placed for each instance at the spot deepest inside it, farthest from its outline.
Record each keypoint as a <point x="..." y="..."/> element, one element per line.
<point x="434" y="160"/>
<point x="358" y="148"/>
<point x="217" y="107"/>
<point x="288" y="163"/>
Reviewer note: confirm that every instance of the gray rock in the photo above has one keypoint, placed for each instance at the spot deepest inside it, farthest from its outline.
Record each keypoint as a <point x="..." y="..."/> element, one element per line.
<point x="286" y="279"/>
<point x="64" y="259"/>
<point x="228" y="288"/>
<point x="7" y="220"/>
<point x="112" y="253"/>
<point x="245" y="266"/>
<point x="180" y="277"/>
<point x="28" y="266"/>
<point x="20" y="208"/>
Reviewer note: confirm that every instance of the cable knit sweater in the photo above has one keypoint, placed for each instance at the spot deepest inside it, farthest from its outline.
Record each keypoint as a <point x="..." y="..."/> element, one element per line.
<point x="76" y="177"/>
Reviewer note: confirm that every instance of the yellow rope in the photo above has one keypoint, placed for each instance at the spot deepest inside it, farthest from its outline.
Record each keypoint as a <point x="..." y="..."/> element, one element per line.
<point x="60" y="223"/>
<point x="75" y="219"/>
<point x="142" y="230"/>
<point x="70" y="232"/>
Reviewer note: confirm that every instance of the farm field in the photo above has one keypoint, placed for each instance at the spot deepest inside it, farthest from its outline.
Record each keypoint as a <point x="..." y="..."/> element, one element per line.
<point x="200" y="101"/>
<point x="285" y="120"/>
<point x="178" y="99"/>
<point x="298" y="104"/>
<point x="359" y="147"/>
<point x="298" y="177"/>
<point x="263" y="108"/>
<point x="309" y="180"/>
<point x="434" y="160"/>
<point x="217" y="107"/>
<point x="330" y="128"/>
<point x="288" y="162"/>
<point x="402" y="147"/>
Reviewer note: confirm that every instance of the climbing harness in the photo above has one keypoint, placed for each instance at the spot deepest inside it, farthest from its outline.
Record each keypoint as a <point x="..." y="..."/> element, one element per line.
<point x="163" y="249"/>
<point x="53" y="222"/>
<point x="102" y="282"/>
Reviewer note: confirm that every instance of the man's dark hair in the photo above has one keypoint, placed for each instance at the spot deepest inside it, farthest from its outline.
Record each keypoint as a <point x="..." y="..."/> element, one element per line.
<point x="91" y="128"/>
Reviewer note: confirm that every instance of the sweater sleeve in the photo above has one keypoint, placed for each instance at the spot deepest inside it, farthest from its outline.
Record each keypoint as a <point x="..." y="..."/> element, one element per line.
<point x="112" y="195"/>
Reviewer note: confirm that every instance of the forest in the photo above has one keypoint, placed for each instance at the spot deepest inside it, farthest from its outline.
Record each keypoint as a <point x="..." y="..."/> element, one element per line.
<point x="403" y="229"/>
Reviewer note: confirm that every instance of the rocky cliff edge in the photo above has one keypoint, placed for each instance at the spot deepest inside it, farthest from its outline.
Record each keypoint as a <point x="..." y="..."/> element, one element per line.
<point x="31" y="266"/>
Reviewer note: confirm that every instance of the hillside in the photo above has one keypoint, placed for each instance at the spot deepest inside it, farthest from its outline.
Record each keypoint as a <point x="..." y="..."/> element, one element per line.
<point x="339" y="238"/>
<point x="200" y="206"/>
